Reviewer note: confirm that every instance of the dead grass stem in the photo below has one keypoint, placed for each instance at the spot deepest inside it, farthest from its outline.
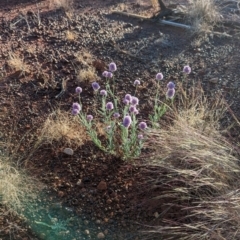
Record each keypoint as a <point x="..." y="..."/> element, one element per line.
<point x="203" y="14"/>
<point x="195" y="171"/>
<point x="15" y="186"/>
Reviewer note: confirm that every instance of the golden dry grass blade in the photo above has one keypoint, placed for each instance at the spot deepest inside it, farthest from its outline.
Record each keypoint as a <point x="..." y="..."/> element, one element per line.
<point x="87" y="75"/>
<point x="203" y="14"/>
<point x="195" y="170"/>
<point x="15" y="186"/>
<point x="62" y="126"/>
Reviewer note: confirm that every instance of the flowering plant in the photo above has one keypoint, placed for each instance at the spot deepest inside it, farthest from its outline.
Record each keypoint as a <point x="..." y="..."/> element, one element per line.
<point x="124" y="135"/>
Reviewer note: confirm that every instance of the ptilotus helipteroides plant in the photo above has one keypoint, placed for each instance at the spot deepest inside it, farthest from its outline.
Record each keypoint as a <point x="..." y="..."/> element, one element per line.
<point x="124" y="134"/>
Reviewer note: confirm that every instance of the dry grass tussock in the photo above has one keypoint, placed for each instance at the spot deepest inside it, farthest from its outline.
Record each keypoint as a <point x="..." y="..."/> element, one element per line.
<point x="67" y="5"/>
<point x="196" y="173"/>
<point x="70" y="36"/>
<point x="17" y="63"/>
<point x="62" y="126"/>
<point x="87" y="75"/>
<point x="154" y="4"/>
<point x="16" y="188"/>
<point x="203" y="14"/>
<point x="84" y="57"/>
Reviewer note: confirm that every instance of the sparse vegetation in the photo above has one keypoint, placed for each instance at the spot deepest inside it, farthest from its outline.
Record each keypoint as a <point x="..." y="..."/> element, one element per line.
<point x="194" y="168"/>
<point x="203" y="15"/>
<point x="85" y="58"/>
<point x="67" y="5"/>
<point x="62" y="127"/>
<point x="87" y="75"/>
<point x="17" y="63"/>
<point x="154" y="4"/>
<point x="70" y="36"/>
<point x="130" y="136"/>
<point x="16" y="188"/>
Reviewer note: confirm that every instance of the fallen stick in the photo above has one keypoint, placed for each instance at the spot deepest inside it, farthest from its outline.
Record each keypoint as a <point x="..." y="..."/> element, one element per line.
<point x="175" y="24"/>
<point x="153" y="20"/>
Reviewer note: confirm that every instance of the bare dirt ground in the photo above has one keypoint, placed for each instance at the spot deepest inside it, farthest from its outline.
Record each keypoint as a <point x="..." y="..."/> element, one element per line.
<point x="103" y="189"/>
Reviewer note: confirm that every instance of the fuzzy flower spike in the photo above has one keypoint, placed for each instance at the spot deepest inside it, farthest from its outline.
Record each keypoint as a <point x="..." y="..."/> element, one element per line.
<point x="134" y="101"/>
<point x="127" y="121"/>
<point x="78" y="90"/>
<point x="159" y="76"/>
<point x="170" y="93"/>
<point x="136" y="82"/>
<point x="89" y="118"/>
<point x="170" y="85"/>
<point x="103" y="92"/>
<point x="76" y="108"/>
<point x="128" y="97"/>
<point x="105" y="73"/>
<point x="95" y="86"/>
<point x="187" y="69"/>
<point x="109" y="106"/>
<point x="142" y="125"/>
<point x="112" y="67"/>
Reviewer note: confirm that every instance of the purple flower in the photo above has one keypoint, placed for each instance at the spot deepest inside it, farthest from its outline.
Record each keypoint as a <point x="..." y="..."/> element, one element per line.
<point x="76" y="106"/>
<point x="142" y="125"/>
<point x="136" y="82"/>
<point x="170" y="85"/>
<point x="132" y="108"/>
<point x="135" y="101"/>
<point x="116" y="115"/>
<point x="75" y="111"/>
<point x="170" y="93"/>
<point x="95" y="86"/>
<point x="78" y="90"/>
<point x="112" y="67"/>
<point x="103" y="92"/>
<point x="187" y="69"/>
<point x="135" y="111"/>
<point x="128" y="97"/>
<point x="109" y="75"/>
<point x="125" y="101"/>
<point x="159" y="76"/>
<point x="109" y="106"/>
<point x="127" y="121"/>
<point x="140" y="136"/>
<point x="105" y="73"/>
<point x="89" y="117"/>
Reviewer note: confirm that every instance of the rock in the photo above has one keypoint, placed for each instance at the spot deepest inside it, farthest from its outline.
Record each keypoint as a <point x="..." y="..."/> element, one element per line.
<point x="86" y="222"/>
<point x="99" y="172"/>
<point x="79" y="182"/>
<point x="87" y="232"/>
<point x="61" y="194"/>
<point x="102" y="186"/>
<point x="68" y="151"/>
<point x="213" y="80"/>
<point x="101" y="235"/>
<point x="156" y="215"/>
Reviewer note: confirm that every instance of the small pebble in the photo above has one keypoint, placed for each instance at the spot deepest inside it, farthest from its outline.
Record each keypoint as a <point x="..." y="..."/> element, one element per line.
<point x="101" y="235"/>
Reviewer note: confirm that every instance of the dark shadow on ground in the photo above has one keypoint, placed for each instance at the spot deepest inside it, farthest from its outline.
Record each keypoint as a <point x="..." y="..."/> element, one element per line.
<point x="15" y="3"/>
<point x="165" y="41"/>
